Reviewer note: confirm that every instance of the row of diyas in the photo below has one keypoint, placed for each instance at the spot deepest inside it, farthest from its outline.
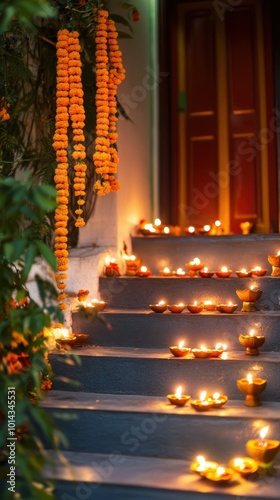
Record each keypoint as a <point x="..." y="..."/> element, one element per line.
<point x="194" y="308"/>
<point x="204" y="403"/>
<point x="180" y="351"/>
<point x="197" y="269"/>
<point x="261" y="451"/>
<point x="156" y="228"/>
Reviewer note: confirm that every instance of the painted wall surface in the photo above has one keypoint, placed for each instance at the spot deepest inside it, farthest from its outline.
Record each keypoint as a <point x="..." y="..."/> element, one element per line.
<point x="118" y="213"/>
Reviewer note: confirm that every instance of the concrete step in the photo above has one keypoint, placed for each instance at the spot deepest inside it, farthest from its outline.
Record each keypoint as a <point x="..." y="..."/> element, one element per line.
<point x="233" y="251"/>
<point x="150" y="426"/>
<point x="155" y="372"/>
<point x="122" y="477"/>
<point x="137" y="293"/>
<point x="144" y="328"/>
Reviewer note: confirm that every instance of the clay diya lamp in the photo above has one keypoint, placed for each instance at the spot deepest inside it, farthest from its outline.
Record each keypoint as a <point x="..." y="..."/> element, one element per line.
<point x="228" y="308"/>
<point x="274" y="260"/>
<point x="180" y="273"/>
<point x="195" y="307"/>
<point x="202" y="404"/>
<point x="249" y="296"/>
<point x="194" y="266"/>
<point x="218" y="350"/>
<point x="179" y="351"/>
<point x="224" y="272"/>
<point x="132" y="265"/>
<point x="262" y="450"/>
<point x="258" y="271"/>
<point x="202" y="466"/>
<point x="209" y="306"/>
<point x="99" y="305"/>
<point x="245" y="466"/>
<point x="74" y="340"/>
<point x="218" y="400"/>
<point x="143" y="272"/>
<point x="111" y="268"/>
<point x="252" y="388"/>
<point x="221" y="475"/>
<point x="160" y="307"/>
<point x="178" y="399"/>
<point x="176" y="308"/>
<point x="202" y="353"/>
<point x="252" y="342"/>
<point x="243" y="273"/>
<point x="205" y="273"/>
<point x="190" y="231"/>
<point x="166" y="272"/>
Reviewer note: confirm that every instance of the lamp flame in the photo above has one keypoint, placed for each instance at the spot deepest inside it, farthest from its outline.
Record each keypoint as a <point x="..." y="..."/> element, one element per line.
<point x="203" y="395"/>
<point x="252" y="333"/>
<point x="178" y="393"/>
<point x="250" y="378"/>
<point x="181" y="344"/>
<point x="224" y="269"/>
<point x="264" y="432"/>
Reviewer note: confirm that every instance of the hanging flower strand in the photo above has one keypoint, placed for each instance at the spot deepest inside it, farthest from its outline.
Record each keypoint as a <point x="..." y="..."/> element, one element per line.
<point x="109" y="73"/>
<point x="60" y="145"/>
<point x="77" y="117"/>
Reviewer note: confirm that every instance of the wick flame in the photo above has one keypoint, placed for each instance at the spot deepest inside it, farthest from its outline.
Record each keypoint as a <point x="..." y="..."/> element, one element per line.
<point x="229" y="303"/>
<point x="203" y="396"/>
<point x="205" y="269"/>
<point x="203" y="348"/>
<point x="216" y="395"/>
<point x="200" y="459"/>
<point x="264" y="432"/>
<point x="181" y="344"/>
<point x="157" y="222"/>
<point x="195" y="303"/>
<point x="180" y="271"/>
<point x="220" y="471"/>
<point x="250" y="378"/>
<point x="252" y="333"/>
<point x="143" y="269"/>
<point x="224" y="269"/>
<point x="178" y="393"/>
<point x="161" y="303"/>
<point x="196" y="260"/>
<point x="218" y="346"/>
<point x="166" y="270"/>
<point x="191" y="229"/>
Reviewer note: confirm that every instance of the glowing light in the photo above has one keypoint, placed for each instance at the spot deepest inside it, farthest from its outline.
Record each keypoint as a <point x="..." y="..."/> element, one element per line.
<point x="181" y="344"/>
<point x="143" y="269"/>
<point x="252" y="333"/>
<point x="166" y="230"/>
<point x="249" y="378"/>
<point x="178" y="392"/>
<point x="203" y="395"/>
<point x="264" y="432"/>
<point x="207" y="228"/>
<point x="157" y="222"/>
<point x="191" y="229"/>
<point x="218" y="223"/>
<point x="224" y="269"/>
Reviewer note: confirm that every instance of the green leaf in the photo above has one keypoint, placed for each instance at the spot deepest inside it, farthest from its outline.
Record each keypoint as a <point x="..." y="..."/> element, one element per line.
<point x="122" y="34"/>
<point x="47" y="253"/>
<point x="121" y="20"/>
<point x="29" y="259"/>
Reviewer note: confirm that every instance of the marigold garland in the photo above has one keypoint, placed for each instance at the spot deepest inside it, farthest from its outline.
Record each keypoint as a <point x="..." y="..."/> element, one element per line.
<point x="109" y="74"/>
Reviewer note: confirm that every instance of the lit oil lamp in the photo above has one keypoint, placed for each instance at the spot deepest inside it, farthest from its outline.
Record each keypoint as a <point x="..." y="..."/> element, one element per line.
<point x="201" y="404"/>
<point x="132" y="264"/>
<point x="209" y="306"/>
<point x="224" y="272"/>
<point x="205" y="273"/>
<point x="190" y="231"/>
<point x="160" y="307"/>
<point x="166" y="230"/>
<point x="195" y="307"/>
<point x="64" y="337"/>
<point x="111" y="267"/>
<point x="243" y="273"/>
<point x="166" y="272"/>
<point x="228" y="308"/>
<point x="203" y="352"/>
<point x="249" y="296"/>
<point x="143" y="272"/>
<point x="202" y="466"/>
<point x="180" y="273"/>
<point x="194" y="266"/>
<point x="176" y="308"/>
<point x="252" y="387"/>
<point x="148" y="229"/>
<point x="221" y="475"/>
<point x="274" y="260"/>
<point x="217" y="228"/>
<point x="217" y="399"/>
<point x="178" y="399"/>
<point x="98" y="305"/>
<point x="252" y="342"/>
<point x="263" y="450"/>
<point x="218" y="350"/>
<point x="245" y="466"/>
<point x="179" y="351"/>
<point x="258" y="271"/>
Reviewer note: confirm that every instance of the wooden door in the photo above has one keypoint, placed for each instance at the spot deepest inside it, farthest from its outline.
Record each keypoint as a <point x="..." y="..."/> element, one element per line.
<point x="224" y="140"/>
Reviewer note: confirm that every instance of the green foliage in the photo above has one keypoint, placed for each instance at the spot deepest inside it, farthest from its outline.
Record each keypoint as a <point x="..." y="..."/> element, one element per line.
<point x="23" y="353"/>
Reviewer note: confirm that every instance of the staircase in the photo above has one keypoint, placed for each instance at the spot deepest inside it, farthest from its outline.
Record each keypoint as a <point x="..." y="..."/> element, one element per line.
<point x="127" y="441"/>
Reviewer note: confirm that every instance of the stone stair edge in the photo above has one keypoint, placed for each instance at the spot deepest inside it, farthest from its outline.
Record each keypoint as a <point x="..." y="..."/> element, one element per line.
<point x="163" y="474"/>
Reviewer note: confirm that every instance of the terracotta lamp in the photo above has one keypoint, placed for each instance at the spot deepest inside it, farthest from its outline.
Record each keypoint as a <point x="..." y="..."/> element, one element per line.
<point x="263" y="450"/>
<point x="251" y="387"/>
<point x="274" y="260"/>
<point x="252" y="342"/>
<point x="249" y="296"/>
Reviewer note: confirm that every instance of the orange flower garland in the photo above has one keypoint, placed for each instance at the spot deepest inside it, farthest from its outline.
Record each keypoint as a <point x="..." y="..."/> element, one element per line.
<point x="107" y="55"/>
<point x="77" y="116"/>
<point x="60" y="145"/>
